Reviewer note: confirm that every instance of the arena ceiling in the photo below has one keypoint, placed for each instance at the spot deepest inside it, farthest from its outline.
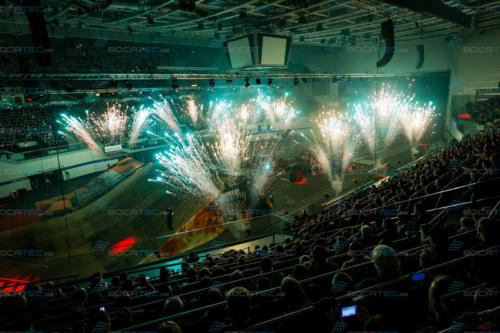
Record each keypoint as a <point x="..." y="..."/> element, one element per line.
<point x="210" y="21"/>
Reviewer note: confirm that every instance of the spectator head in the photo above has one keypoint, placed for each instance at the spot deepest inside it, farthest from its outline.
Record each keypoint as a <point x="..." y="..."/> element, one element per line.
<point x="467" y="223"/>
<point x="237" y="275"/>
<point x="341" y="283"/>
<point x="81" y="295"/>
<point x="487" y="230"/>
<point x="128" y="285"/>
<point x="366" y="233"/>
<point x="319" y="254"/>
<point x="238" y="306"/>
<point x="164" y="274"/>
<point x="304" y="259"/>
<point x="123" y="276"/>
<point x="293" y="291"/>
<point x="299" y="271"/>
<point x="438" y="288"/>
<point x="428" y="257"/>
<point x="385" y="260"/>
<point x="173" y="306"/>
<point x="169" y="327"/>
<point x="115" y="281"/>
<point x="266" y="265"/>
<point x="204" y="272"/>
<point x="341" y="245"/>
<point x="485" y="298"/>
<point x="381" y="322"/>
<point x="355" y="249"/>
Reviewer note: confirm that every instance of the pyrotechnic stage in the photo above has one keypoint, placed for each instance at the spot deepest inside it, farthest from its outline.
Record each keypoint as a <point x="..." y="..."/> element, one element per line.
<point x="224" y="161"/>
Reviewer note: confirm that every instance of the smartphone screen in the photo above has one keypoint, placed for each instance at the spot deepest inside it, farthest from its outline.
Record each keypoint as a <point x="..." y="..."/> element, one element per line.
<point x="349" y="311"/>
<point x="418" y="277"/>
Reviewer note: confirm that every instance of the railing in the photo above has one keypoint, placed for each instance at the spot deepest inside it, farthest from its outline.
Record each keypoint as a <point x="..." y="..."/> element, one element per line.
<point x="483" y="314"/>
<point x="349" y="296"/>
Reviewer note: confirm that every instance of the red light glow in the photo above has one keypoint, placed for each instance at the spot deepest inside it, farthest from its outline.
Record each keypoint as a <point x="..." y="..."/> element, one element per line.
<point x="123" y="245"/>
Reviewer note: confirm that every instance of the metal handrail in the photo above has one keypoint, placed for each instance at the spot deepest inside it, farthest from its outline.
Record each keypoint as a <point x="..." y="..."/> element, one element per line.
<point x="355" y="293"/>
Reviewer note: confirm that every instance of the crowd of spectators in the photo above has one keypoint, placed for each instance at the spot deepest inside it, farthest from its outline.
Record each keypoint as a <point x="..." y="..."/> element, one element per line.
<point x="392" y="251"/>
<point x="484" y="111"/>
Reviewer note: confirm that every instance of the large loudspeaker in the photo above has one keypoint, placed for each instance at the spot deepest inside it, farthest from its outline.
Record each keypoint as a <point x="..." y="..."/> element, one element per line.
<point x="388" y="35"/>
<point x="420" y="50"/>
<point x="39" y="33"/>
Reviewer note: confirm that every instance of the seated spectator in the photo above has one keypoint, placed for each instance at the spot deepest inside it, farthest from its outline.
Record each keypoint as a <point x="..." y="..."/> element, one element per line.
<point x="238" y="307"/>
<point x="438" y="311"/>
<point x="173" y="306"/>
<point x="387" y="265"/>
<point x="295" y="297"/>
<point x="266" y="266"/>
<point x="357" y="257"/>
<point x="342" y="283"/>
<point x="169" y="327"/>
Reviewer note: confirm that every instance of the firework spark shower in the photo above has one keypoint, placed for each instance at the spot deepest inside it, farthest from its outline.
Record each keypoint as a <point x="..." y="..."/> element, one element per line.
<point x="389" y="113"/>
<point x="334" y="144"/>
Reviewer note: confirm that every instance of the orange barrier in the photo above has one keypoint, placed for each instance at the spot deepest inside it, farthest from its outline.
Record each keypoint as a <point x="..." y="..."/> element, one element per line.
<point x="190" y="240"/>
<point x="94" y="189"/>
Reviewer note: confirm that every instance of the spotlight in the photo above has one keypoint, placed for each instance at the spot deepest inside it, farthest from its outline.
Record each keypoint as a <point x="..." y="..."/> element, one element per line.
<point x="258" y="81"/>
<point x="194" y="83"/>
<point x="269" y="81"/>
<point x="296" y="81"/>
<point x="247" y="82"/>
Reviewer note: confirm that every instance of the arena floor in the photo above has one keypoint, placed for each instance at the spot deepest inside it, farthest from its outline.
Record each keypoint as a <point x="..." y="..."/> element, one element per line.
<point x="131" y="213"/>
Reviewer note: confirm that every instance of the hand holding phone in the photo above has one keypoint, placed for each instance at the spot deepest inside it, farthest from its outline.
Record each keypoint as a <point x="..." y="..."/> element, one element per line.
<point x="349" y="311"/>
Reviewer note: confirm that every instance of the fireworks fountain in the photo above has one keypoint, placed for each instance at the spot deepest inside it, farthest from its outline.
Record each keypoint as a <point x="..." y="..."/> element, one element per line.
<point x="231" y="146"/>
<point x="390" y="113"/>
<point x="163" y="111"/>
<point x="109" y="127"/>
<point x="187" y="168"/>
<point x="75" y="126"/>
<point x="279" y="112"/>
<point x="417" y="120"/>
<point x="335" y="145"/>
<point x="141" y="118"/>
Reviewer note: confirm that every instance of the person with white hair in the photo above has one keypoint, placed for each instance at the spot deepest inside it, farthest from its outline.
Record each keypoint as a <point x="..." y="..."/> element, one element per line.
<point x="387" y="265"/>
